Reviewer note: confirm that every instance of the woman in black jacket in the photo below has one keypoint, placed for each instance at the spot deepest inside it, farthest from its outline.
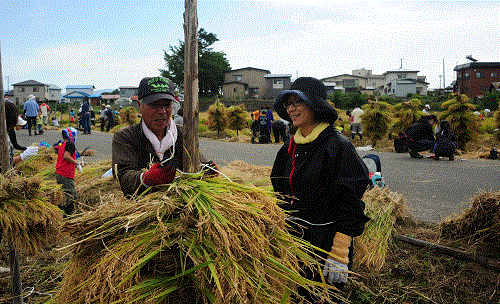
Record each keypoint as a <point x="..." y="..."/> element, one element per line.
<point x="321" y="177"/>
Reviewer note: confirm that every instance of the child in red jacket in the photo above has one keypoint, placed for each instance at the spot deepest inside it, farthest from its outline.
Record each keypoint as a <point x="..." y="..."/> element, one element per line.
<point x="65" y="168"/>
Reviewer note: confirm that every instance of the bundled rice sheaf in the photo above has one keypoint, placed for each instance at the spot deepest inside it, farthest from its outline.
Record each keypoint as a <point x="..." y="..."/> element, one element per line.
<point x="242" y="172"/>
<point x="42" y="164"/>
<point x="481" y="220"/>
<point x="28" y="212"/>
<point x="210" y="241"/>
<point x="92" y="189"/>
<point x="383" y="207"/>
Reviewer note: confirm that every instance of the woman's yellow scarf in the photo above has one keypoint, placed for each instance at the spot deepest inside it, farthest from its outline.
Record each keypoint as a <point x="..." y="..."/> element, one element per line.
<point x="300" y="139"/>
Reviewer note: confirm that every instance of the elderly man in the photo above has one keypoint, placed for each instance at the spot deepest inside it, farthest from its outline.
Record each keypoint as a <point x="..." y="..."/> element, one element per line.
<point x="155" y="140"/>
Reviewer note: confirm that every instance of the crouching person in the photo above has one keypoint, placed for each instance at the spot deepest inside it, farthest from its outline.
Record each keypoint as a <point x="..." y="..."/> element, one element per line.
<point x="446" y="142"/>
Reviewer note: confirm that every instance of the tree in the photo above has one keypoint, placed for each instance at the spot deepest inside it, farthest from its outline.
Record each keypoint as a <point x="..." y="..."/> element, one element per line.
<point x="236" y="118"/>
<point x="458" y="112"/>
<point x="211" y="65"/>
<point x="490" y="100"/>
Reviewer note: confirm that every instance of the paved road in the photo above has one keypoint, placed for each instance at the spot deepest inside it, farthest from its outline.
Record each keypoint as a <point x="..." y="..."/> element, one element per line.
<point x="432" y="189"/>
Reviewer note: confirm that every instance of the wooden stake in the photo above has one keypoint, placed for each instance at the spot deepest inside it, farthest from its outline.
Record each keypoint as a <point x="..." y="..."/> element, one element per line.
<point x="15" y="274"/>
<point x="191" y="159"/>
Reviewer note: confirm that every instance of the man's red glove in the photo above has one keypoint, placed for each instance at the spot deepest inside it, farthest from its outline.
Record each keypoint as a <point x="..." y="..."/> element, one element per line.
<point x="158" y="175"/>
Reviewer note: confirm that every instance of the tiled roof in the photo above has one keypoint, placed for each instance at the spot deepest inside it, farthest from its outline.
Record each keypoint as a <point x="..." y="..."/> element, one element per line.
<point x="29" y="83"/>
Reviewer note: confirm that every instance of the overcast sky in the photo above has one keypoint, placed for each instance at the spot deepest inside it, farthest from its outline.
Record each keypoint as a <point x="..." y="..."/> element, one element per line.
<point x="110" y="44"/>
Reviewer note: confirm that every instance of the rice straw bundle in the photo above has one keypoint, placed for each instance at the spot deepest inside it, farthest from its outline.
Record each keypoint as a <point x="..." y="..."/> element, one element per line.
<point x="383" y="207"/>
<point x="26" y="214"/>
<point x="206" y="240"/>
<point x="481" y="220"/>
<point x="42" y="163"/>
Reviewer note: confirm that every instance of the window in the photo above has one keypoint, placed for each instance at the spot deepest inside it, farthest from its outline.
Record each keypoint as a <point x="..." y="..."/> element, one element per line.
<point x="479" y="75"/>
<point x="401" y="76"/>
<point x="277" y="83"/>
<point x="21" y="89"/>
<point x="467" y="75"/>
<point x="237" y="77"/>
<point x="459" y="75"/>
<point x="35" y="89"/>
<point x="494" y="74"/>
<point x="234" y="90"/>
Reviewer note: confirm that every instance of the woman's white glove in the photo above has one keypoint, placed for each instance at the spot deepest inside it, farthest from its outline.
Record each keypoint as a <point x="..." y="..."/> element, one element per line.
<point x="335" y="272"/>
<point x="30" y="151"/>
<point x="79" y="167"/>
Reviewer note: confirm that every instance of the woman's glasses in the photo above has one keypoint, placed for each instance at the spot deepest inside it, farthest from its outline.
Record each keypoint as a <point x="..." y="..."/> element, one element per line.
<point x="294" y="103"/>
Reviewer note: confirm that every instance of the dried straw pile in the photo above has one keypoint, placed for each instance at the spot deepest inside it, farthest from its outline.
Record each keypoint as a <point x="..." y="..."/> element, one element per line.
<point x="212" y="239"/>
<point x="480" y="221"/>
<point x="383" y="207"/>
<point x="243" y="173"/>
<point x="27" y="215"/>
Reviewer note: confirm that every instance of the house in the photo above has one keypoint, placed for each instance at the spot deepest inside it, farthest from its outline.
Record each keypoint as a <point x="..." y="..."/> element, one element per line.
<point x="245" y="82"/>
<point x="276" y="83"/>
<point x="30" y="87"/>
<point x="109" y="99"/>
<point x="349" y="83"/>
<point x="474" y="78"/>
<point x="95" y="99"/>
<point x="401" y="82"/>
<point x="78" y="93"/>
<point x="128" y="92"/>
<point x="54" y="93"/>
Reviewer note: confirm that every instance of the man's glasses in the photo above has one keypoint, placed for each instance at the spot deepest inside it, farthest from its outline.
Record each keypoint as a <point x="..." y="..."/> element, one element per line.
<point x="159" y="105"/>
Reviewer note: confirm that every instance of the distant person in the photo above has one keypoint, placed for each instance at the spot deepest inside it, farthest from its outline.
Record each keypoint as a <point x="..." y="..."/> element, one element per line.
<point x="6" y="98"/>
<point x="426" y="109"/>
<point x="281" y="130"/>
<point x="178" y="119"/>
<point x="487" y="113"/>
<point x="55" y="122"/>
<point x="12" y="120"/>
<point x="102" y="117"/>
<point x="421" y="135"/>
<point x="270" y="119"/>
<point x="92" y="116"/>
<point x="85" y="116"/>
<point x="31" y="112"/>
<point x="65" y="168"/>
<point x="264" y="134"/>
<point x="39" y="122"/>
<point x="256" y="115"/>
<point x="446" y="142"/>
<point x="110" y="118"/>
<point x="72" y="115"/>
<point x="356" y="127"/>
<point x="45" y="110"/>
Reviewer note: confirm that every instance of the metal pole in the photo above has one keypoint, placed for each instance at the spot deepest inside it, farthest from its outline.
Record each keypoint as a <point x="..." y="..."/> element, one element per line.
<point x="15" y="274"/>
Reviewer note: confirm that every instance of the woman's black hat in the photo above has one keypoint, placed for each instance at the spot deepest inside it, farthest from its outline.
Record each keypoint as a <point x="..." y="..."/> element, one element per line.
<point x="312" y="92"/>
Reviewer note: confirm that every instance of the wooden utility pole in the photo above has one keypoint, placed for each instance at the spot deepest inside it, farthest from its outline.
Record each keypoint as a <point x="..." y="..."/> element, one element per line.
<point x="15" y="274"/>
<point x="191" y="159"/>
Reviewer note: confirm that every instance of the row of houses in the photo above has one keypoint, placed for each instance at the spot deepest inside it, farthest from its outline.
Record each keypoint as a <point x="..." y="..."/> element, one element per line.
<point x="472" y="79"/>
<point x="74" y="93"/>
<point x="259" y="83"/>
